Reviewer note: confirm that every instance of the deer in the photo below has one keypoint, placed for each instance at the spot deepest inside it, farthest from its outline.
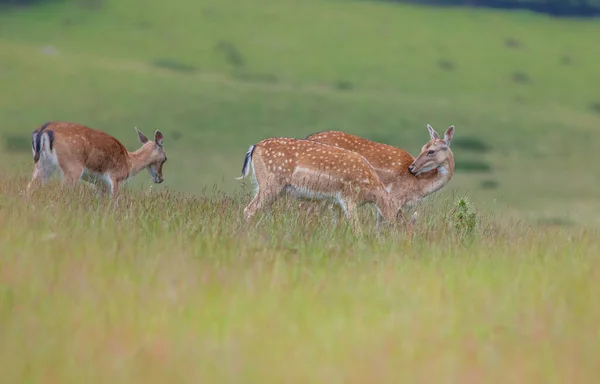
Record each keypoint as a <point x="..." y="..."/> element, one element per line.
<point x="408" y="179"/>
<point x="82" y="153"/>
<point x="306" y="169"/>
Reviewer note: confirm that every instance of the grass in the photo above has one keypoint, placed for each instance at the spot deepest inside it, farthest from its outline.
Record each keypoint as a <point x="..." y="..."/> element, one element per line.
<point x="217" y="76"/>
<point x="171" y="287"/>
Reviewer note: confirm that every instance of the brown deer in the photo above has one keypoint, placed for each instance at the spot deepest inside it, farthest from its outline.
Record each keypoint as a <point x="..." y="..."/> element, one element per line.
<point x="307" y="169"/>
<point x="79" y="152"/>
<point x="409" y="180"/>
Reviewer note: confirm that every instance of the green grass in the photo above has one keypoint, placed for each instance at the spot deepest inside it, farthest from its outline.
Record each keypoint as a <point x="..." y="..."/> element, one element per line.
<point x="172" y="287"/>
<point x="217" y="76"/>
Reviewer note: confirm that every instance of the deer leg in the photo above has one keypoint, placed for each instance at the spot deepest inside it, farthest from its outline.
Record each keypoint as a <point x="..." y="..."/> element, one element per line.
<point x="386" y="216"/>
<point x="71" y="174"/>
<point x="379" y="221"/>
<point x="254" y="206"/>
<point x="304" y="206"/>
<point x="349" y="208"/>
<point x="41" y="173"/>
<point x="387" y="213"/>
<point x="407" y="225"/>
<point x="114" y="191"/>
<point x="268" y="189"/>
<point x="99" y="188"/>
<point x="336" y="211"/>
<point x="410" y="226"/>
<point x="36" y="177"/>
<point x="98" y="185"/>
<point x="103" y="188"/>
<point x="113" y="188"/>
<point x="263" y="199"/>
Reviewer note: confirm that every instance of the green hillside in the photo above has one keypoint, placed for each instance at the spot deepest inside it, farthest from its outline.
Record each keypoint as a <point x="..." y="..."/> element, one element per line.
<point x="172" y="284"/>
<point x="217" y="76"/>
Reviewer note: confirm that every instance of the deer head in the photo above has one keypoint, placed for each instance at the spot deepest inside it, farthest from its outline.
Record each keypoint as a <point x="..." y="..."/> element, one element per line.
<point x="434" y="154"/>
<point x="156" y="155"/>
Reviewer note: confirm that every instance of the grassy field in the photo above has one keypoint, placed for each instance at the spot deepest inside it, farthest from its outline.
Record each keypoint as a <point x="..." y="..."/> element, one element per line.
<point x="172" y="286"/>
<point x="217" y="76"/>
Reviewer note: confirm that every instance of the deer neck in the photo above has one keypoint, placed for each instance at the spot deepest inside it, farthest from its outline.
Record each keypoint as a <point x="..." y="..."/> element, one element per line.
<point x="434" y="181"/>
<point x="139" y="160"/>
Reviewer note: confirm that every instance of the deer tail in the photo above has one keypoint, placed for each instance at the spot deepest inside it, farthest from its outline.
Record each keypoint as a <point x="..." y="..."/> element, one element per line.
<point x="247" y="161"/>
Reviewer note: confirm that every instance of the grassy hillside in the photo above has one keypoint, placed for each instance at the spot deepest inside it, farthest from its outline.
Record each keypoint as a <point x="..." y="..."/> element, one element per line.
<point x="216" y="76"/>
<point x="170" y="287"/>
<point x="173" y="285"/>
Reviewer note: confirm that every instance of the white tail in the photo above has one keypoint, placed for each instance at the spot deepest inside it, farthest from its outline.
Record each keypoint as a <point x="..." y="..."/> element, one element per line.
<point x="246" y="165"/>
<point x="307" y="169"/>
<point x="80" y="152"/>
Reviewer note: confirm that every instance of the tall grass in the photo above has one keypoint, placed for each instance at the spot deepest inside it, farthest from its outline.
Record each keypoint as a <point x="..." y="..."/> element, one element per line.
<point x="172" y="288"/>
<point x="216" y="76"/>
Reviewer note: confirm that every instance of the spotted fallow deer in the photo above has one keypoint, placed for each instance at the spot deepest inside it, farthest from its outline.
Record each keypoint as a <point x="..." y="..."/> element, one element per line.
<point x="307" y="169"/>
<point x="409" y="180"/>
<point x="79" y="152"/>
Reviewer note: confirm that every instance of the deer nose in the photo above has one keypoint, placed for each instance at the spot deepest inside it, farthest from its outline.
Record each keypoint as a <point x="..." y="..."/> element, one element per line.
<point x="411" y="167"/>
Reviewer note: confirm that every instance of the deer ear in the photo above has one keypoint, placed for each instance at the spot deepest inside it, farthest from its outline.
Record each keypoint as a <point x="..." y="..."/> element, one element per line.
<point x="142" y="137"/>
<point x="449" y="135"/>
<point x="158" y="138"/>
<point x="432" y="133"/>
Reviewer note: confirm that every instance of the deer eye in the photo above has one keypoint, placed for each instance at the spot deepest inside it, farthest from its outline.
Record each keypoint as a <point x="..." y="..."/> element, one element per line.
<point x="430" y="152"/>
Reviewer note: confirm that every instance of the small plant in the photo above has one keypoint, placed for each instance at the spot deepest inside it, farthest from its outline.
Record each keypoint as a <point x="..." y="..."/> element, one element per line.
<point x="566" y="60"/>
<point x="173" y="65"/>
<point x="511" y="42"/>
<point x="521" y="78"/>
<point x="343" y="85"/>
<point x="464" y="218"/>
<point x="231" y="53"/>
<point x="446" y="64"/>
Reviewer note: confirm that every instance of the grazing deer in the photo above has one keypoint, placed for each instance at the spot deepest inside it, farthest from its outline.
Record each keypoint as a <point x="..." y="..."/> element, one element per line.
<point x="307" y="169"/>
<point x="79" y="152"/>
<point x="409" y="180"/>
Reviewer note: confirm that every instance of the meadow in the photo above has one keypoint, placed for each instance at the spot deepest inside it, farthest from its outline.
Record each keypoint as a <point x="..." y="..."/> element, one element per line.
<point x="173" y="286"/>
<point x="217" y="76"/>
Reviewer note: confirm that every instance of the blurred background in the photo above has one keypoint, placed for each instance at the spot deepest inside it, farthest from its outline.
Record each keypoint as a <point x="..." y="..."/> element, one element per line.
<point x="520" y="80"/>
